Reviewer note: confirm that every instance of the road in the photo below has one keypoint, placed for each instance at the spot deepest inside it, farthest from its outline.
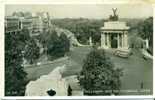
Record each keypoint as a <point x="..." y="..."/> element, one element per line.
<point x="138" y="72"/>
<point x="74" y="64"/>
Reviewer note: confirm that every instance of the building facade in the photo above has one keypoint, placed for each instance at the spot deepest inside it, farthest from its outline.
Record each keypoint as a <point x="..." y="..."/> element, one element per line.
<point x="26" y="23"/>
<point x="114" y="35"/>
<point x="12" y="24"/>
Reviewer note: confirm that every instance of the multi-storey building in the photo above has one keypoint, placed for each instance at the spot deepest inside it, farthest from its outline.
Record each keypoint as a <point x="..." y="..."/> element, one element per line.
<point x="12" y="24"/>
<point x="36" y="24"/>
<point x="26" y="23"/>
<point x="45" y="18"/>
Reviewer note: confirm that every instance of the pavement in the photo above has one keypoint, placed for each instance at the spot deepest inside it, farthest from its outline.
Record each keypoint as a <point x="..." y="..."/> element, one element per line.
<point x="53" y="81"/>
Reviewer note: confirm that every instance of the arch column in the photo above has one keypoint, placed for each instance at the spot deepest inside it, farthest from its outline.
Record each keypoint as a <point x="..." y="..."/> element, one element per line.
<point x="122" y="40"/>
<point x="125" y="40"/>
<point x="108" y="41"/>
<point x="103" y="40"/>
<point x="118" y="41"/>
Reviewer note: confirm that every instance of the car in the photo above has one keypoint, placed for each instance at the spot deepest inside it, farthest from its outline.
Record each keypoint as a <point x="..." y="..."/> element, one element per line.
<point x="122" y="53"/>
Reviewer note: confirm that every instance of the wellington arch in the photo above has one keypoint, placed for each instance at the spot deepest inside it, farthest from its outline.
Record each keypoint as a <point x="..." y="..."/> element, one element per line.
<point x="114" y="34"/>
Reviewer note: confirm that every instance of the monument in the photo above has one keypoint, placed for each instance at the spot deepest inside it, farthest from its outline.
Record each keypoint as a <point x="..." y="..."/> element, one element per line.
<point x="114" y="34"/>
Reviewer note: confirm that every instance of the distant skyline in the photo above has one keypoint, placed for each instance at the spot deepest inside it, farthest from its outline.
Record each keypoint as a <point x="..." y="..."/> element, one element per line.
<point x="98" y="11"/>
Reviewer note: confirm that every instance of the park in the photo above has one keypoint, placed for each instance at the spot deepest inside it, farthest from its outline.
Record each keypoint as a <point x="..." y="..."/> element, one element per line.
<point x="77" y="57"/>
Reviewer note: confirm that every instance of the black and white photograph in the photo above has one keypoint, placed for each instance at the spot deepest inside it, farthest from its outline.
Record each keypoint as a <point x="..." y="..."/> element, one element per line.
<point x="78" y="50"/>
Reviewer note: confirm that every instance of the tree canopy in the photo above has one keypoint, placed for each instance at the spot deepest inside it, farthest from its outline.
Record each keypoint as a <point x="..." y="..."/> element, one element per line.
<point x="55" y="46"/>
<point x="15" y="76"/>
<point x="82" y="28"/>
<point x="18" y="45"/>
<point x="32" y="51"/>
<point x="145" y="29"/>
<point x="99" y="76"/>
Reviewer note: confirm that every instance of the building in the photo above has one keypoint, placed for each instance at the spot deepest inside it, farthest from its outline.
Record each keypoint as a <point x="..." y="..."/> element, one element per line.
<point x="40" y="22"/>
<point x="12" y="24"/>
<point x="45" y="19"/>
<point x="26" y="23"/>
<point x="16" y="24"/>
<point x="114" y="34"/>
<point x="37" y="24"/>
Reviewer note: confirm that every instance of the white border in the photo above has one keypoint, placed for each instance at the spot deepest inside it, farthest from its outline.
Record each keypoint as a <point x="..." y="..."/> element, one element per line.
<point x="82" y="97"/>
<point x="80" y="1"/>
<point x="2" y="14"/>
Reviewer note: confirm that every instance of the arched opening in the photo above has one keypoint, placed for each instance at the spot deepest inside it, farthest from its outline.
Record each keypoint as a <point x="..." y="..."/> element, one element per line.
<point x="114" y="40"/>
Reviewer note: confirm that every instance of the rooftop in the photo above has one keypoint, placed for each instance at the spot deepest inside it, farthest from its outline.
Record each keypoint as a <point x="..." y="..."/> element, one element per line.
<point x="115" y="25"/>
<point x="11" y="18"/>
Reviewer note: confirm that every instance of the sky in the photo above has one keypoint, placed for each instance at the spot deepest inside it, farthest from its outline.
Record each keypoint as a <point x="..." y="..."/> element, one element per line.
<point x="97" y="11"/>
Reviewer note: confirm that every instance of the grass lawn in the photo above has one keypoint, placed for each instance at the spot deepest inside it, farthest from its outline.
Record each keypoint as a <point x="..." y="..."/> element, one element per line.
<point x="136" y="69"/>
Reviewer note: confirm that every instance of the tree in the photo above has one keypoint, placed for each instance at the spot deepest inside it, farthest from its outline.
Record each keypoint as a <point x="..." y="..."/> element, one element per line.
<point x="65" y="42"/>
<point x="31" y="51"/>
<point x="82" y="28"/>
<point x="146" y="29"/>
<point x="22" y="14"/>
<point x="27" y="14"/>
<point x="54" y="46"/>
<point x="99" y="74"/>
<point x="24" y="36"/>
<point x="29" y="46"/>
<point x="15" y="76"/>
<point x="18" y="14"/>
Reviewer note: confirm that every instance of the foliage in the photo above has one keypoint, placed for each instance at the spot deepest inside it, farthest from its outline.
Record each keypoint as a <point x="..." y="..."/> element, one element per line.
<point x="22" y="14"/>
<point x="99" y="76"/>
<point x="65" y="42"/>
<point x="31" y="51"/>
<point x="56" y="45"/>
<point x="82" y="28"/>
<point x="18" y="45"/>
<point x="146" y="29"/>
<point x="15" y="76"/>
<point x="136" y="42"/>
